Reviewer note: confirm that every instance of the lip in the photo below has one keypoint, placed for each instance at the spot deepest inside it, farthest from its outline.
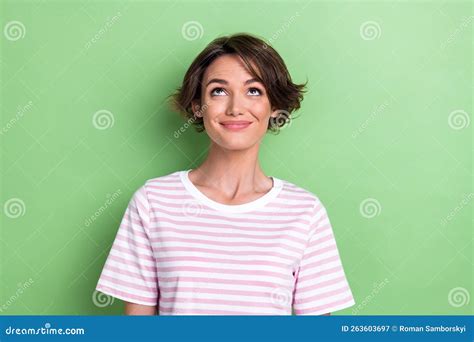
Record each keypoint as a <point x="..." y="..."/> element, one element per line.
<point x="235" y="125"/>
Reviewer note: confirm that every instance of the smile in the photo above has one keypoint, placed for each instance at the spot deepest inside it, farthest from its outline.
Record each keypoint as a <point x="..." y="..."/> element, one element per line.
<point x="235" y="125"/>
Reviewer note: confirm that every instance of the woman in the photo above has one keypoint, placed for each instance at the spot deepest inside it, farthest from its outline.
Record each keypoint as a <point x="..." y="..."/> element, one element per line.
<point x="225" y="239"/>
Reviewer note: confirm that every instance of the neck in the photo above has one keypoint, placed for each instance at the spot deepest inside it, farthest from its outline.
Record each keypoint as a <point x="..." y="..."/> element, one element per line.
<point x="234" y="172"/>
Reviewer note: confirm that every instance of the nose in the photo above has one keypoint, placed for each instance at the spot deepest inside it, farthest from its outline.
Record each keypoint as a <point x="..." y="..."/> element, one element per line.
<point x="236" y="105"/>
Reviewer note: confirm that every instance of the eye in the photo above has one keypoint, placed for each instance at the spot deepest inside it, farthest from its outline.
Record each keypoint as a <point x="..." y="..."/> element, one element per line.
<point x="217" y="92"/>
<point x="255" y="91"/>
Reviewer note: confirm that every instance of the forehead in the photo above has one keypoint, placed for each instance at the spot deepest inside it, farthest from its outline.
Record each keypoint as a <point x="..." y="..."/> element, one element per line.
<point x="228" y="67"/>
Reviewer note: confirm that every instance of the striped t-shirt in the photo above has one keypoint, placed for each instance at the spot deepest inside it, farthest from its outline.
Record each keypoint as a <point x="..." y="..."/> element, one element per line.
<point x="187" y="254"/>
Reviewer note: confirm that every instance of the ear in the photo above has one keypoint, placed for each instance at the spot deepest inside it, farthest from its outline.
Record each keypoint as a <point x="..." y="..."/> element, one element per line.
<point x="275" y="113"/>
<point x="196" y="107"/>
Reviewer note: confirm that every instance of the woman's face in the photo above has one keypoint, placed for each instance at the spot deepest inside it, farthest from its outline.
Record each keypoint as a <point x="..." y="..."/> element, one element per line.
<point x="234" y="106"/>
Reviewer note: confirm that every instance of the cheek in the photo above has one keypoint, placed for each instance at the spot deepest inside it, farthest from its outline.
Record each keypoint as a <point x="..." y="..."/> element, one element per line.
<point x="215" y="107"/>
<point x="262" y="110"/>
<point x="214" y="112"/>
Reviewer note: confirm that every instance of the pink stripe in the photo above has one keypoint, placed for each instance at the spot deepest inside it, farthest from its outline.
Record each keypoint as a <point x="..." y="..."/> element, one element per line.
<point x="130" y="229"/>
<point x="171" y="178"/>
<point x="302" y="279"/>
<point x="125" y="294"/>
<point x="209" y="280"/>
<point x="223" y="261"/>
<point x="224" y="243"/>
<point x="292" y="189"/>
<point x="132" y="263"/>
<point x="320" y="296"/>
<point x="326" y="283"/>
<point x="213" y="270"/>
<point x="297" y="198"/>
<point x="129" y="285"/>
<point x="321" y="251"/>
<point x="323" y="239"/>
<point x="218" y="302"/>
<point x="324" y="307"/>
<point x="152" y="187"/>
<point x="132" y="241"/>
<point x="221" y="226"/>
<point x="285" y="206"/>
<point x="230" y="235"/>
<point x="321" y="262"/>
<point x="204" y="312"/>
<point x="205" y="214"/>
<point x="227" y="252"/>
<point x="117" y="270"/>
<point x="286" y="223"/>
<point x="133" y="253"/>
<point x="262" y="213"/>
<point x="197" y="289"/>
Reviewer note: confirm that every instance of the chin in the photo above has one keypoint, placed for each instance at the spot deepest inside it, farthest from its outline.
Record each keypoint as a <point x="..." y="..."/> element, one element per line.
<point x="235" y="144"/>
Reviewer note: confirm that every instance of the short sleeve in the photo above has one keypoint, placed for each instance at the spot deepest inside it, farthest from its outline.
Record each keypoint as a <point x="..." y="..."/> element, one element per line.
<point x="130" y="272"/>
<point x="321" y="285"/>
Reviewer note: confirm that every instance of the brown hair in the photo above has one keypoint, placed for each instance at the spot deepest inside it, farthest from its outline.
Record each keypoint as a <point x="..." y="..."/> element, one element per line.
<point x="284" y="95"/>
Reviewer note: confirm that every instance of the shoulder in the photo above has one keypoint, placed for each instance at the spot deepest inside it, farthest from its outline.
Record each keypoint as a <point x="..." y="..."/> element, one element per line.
<point x="169" y="178"/>
<point x="293" y="193"/>
<point x="169" y="181"/>
<point x="160" y="185"/>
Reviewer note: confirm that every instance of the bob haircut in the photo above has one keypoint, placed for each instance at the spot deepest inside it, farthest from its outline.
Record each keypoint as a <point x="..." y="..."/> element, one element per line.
<point x="284" y="95"/>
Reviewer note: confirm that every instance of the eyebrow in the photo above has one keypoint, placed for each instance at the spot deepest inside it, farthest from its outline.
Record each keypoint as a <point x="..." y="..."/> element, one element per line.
<point x="221" y="81"/>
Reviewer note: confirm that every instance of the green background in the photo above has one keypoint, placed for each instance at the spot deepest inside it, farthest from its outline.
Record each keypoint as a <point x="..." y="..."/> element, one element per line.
<point x="386" y="118"/>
